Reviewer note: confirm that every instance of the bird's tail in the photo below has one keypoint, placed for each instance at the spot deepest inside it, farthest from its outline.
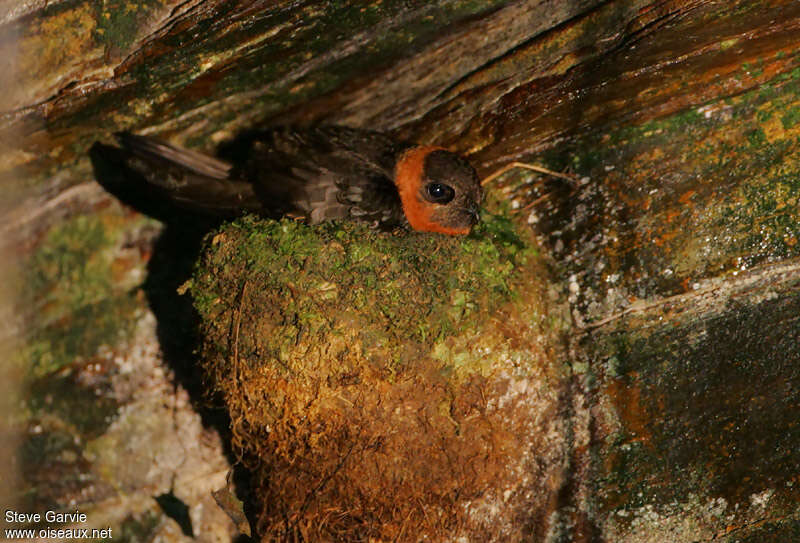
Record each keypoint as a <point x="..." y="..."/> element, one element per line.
<point x="187" y="179"/>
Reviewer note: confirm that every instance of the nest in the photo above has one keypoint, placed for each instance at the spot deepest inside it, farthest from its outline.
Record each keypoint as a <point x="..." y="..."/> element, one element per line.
<point x="384" y="386"/>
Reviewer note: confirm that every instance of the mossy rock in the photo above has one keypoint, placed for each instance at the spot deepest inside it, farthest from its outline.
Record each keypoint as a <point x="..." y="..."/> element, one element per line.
<point x="385" y="386"/>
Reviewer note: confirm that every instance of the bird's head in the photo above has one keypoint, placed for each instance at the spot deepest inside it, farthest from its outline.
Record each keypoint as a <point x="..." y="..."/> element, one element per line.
<point x="439" y="190"/>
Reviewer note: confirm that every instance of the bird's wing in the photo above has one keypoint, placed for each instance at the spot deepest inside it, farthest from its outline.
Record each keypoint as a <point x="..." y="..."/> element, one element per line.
<point x="190" y="180"/>
<point x="326" y="173"/>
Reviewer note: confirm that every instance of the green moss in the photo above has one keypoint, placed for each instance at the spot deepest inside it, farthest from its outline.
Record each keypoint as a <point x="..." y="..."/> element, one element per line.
<point x="44" y="447"/>
<point x="791" y="117"/>
<point x="118" y="21"/>
<point x="71" y="267"/>
<point x="423" y="287"/>
<point x="71" y="281"/>
<point x="756" y="137"/>
<point x="138" y="528"/>
<point x="85" y="409"/>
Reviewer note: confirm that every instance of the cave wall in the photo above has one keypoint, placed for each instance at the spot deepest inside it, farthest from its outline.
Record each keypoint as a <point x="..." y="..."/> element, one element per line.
<point x="677" y="254"/>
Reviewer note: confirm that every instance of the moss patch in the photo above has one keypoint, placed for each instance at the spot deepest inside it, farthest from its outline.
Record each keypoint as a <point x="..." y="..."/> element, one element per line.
<point x="139" y="529"/>
<point x="81" y="289"/>
<point x="119" y="21"/>
<point x="427" y="287"/>
<point x="382" y="381"/>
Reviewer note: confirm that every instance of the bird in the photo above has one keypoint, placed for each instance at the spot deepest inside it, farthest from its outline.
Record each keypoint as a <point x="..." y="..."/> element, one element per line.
<point x="316" y="174"/>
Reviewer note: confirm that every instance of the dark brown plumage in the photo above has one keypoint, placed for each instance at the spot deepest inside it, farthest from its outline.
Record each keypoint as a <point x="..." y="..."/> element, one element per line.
<point x="319" y="173"/>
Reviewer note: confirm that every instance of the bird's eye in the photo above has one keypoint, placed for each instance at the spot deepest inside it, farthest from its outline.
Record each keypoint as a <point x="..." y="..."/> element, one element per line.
<point x="439" y="193"/>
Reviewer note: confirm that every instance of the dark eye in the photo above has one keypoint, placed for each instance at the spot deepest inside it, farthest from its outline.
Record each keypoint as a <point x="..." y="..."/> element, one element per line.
<point x="439" y="193"/>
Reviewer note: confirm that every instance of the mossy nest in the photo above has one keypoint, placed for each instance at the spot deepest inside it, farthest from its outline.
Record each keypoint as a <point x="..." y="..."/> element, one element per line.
<point x="384" y="386"/>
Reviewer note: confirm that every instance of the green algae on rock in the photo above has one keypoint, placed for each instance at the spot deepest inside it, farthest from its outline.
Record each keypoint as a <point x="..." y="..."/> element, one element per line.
<point x="684" y="256"/>
<point x="382" y="381"/>
<point x="79" y="294"/>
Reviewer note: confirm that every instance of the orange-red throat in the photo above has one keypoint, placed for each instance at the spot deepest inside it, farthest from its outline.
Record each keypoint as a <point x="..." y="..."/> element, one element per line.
<point x="409" y="176"/>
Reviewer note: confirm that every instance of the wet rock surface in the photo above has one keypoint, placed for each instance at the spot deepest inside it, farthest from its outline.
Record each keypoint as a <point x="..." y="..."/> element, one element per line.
<point x="676" y="251"/>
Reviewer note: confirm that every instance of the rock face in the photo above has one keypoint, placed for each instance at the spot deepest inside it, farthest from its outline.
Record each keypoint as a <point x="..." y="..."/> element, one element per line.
<point x="688" y="300"/>
<point x="674" y="407"/>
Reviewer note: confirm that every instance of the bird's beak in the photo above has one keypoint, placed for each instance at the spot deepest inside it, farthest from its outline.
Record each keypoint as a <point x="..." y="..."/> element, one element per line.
<point x="475" y="212"/>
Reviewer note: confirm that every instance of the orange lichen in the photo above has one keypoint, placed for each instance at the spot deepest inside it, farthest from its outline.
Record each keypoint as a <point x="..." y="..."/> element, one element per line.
<point x="57" y="41"/>
<point x="627" y="399"/>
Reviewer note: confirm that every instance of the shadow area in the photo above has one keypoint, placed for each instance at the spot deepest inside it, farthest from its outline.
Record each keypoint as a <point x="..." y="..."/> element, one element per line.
<point x="171" y="264"/>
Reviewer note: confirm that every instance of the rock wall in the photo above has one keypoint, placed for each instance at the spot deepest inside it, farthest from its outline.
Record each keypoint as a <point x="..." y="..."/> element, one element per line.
<point x="677" y="253"/>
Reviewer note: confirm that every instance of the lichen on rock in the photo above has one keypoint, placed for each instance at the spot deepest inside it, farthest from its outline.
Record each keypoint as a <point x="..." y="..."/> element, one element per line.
<point x="385" y="385"/>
